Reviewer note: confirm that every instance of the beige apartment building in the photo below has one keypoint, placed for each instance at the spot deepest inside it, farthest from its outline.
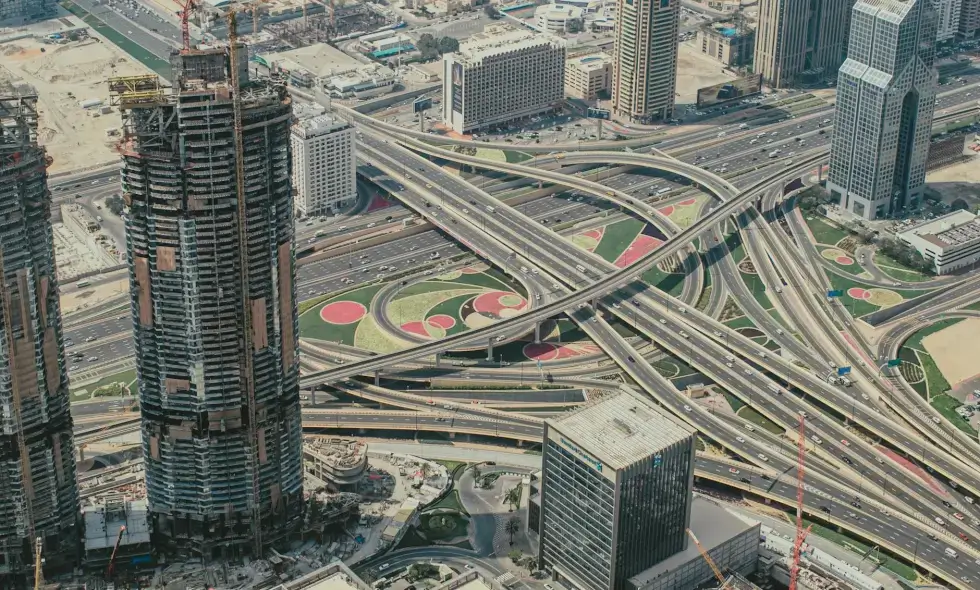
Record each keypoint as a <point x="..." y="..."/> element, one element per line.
<point x="796" y="45"/>
<point x="724" y="42"/>
<point x="588" y="75"/>
<point x="500" y="75"/>
<point x="645" y="59"/>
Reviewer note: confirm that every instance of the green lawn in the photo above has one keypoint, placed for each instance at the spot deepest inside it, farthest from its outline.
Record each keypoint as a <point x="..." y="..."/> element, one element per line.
<point x="516" y="157"/>
<point x="311" y="326"/>
<point x="127" y="377"/>
<point x="734" y="402"/>
<point x="617" y="237"/>
<point x="824" y="231"/>
<point x="751" y="415"/>
<point x="672" y="283"/>
<point x="860" y="307"/>
<point x="451" y="307"/>
<point x="935" y="380"/>
<point x="757" y="286"/>
<point x="946" y="405"/>
<point x="450" y="502"/>
<point x="973" y="306"/>
<point x="743" y="321"/>
<point x="897" y="270"/>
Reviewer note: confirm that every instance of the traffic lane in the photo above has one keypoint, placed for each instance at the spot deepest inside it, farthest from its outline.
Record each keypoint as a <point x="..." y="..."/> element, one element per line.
<point x="882" y="524"/>
<point x="135" y="28"/>
<point x="100" y="353"/>
<point x="787" y="411"/>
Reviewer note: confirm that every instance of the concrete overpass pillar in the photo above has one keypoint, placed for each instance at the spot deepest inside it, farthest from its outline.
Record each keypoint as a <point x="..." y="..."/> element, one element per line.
<point x="377" y="377"/>
<point x="537" y="333"/>
<point x="452" y="435"/>
<point x="490" y="350"/>
<point x="438" y="359"/>
<point x="540" y="184"/>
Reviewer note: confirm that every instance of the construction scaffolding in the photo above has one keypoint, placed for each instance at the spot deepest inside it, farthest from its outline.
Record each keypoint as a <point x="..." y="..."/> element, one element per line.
<point x="214" y="310"/>
<point x="38" y="491"/>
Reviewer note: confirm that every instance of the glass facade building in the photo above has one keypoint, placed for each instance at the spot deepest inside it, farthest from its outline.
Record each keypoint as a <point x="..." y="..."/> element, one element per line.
<point x="886" y="95"/>
<point x="610" y="511"/>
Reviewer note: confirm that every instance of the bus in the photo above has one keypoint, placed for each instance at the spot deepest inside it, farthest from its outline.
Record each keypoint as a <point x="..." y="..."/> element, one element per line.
<point x="83" y="284"/>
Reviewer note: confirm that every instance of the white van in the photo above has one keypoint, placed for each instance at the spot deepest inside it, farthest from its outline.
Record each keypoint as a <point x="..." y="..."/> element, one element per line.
<point x="579" y="268"/>
<point x="952" y="552"/>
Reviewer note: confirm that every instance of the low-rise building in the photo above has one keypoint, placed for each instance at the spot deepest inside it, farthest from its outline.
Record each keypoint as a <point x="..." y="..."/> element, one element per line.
<point x="587" y="76"/>
<point x="324" y="166"/>
<point x="559" y="18"/>
<point x="950" y="242"/>
<point x="334" y="576"/>
<point x="501" y="75"/>
<point x="726" y="43"/>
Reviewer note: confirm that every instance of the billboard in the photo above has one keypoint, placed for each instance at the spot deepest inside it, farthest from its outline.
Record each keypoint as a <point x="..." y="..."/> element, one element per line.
<point x="421" y="104"/>
<point x="457" y="87"/>
<point x="732" y="90"/>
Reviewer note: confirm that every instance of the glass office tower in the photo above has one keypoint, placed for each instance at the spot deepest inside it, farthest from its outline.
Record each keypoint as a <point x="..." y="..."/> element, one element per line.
<point x="615" y="491"/>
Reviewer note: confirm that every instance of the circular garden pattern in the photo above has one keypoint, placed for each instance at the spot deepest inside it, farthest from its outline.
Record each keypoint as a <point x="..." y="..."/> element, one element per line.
<point x="839" y="256"/>
<point x="884" y="297"/>
<point x="548" y="351"/>
<point x="342" y="312"/>
<point x="858" y="293"/>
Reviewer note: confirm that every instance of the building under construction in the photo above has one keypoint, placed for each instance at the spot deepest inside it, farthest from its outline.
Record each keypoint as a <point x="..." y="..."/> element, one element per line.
<point x="38" y="491"/>
<point x="209" y="229"/>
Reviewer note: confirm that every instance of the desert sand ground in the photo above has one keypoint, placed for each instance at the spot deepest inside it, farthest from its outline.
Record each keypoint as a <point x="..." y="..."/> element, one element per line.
<point x="696" y="70"/>
<point x="957" y="362"/>
<point x="62" y="76"/>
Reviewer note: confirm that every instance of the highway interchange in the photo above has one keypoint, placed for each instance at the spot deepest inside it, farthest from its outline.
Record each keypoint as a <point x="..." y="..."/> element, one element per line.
<point x="512" y="237"/>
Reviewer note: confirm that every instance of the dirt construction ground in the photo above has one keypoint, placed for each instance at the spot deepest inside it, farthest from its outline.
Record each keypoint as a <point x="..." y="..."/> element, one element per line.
<point x="696" y="70"/>
<point x="62" y="76"/>
<point x="957" y="362"/>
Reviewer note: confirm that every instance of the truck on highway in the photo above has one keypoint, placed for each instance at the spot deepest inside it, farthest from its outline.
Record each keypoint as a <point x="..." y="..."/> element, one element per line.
<point x="773" y="153"/>
<point x="490" y="209"/>
<point x="81" y="284"/>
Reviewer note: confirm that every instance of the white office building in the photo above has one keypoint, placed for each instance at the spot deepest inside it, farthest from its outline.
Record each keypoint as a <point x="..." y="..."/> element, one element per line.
<point x="950" y="242"/>
<point x="501" y="75"/>
<point x="886" y="92"/>
<point x="559" y="18"/>
<point x="324" y="168"/>
<point x="947" y="18"/>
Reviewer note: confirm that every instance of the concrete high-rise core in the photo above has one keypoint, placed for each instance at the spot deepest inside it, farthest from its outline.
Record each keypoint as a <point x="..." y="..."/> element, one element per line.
<point x="645" y="59"/>
<point x="213" y="303"/>
<point x="38" y="490"/>
<point x="800" y="41"/>
<point x="886" y="93"/>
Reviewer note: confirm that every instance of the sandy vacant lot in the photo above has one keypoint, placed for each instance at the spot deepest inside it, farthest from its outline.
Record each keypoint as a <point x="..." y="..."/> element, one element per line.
<point x="956" y="361"/>
<point x="696" y="70"/>
<point x="967" y="171"/>
<point x="62" y="76"/>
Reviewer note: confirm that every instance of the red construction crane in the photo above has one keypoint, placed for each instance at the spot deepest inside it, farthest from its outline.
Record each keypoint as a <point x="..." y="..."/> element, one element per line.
<point x="794" y="569"/>
<point x="186" y="6"/>
<point x="112" y="558"/>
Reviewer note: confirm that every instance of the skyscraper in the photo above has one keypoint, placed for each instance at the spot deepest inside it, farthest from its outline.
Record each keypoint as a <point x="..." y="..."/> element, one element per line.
<point x="209" y="233"/>
<point x="38" y="491"/>
<point x="948" y="14"/>
<point x="645" y="59"/>
<point x="615" y="491"/>
<point x="800" y="41"/>
<point x="969" y="18"/>
<point x="886" y="95"/>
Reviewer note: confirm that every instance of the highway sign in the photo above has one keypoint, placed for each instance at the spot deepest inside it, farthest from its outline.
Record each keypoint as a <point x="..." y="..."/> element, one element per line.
<point x="841" y="371"/>
<point x="594" y="113"/>
<point x="421" y="104"/>
<point x="894" y="362"/>
<point x="835" y="293"/>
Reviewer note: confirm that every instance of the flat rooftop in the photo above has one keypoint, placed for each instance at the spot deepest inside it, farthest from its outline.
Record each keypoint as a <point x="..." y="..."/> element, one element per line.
<point x="497" y="39"/>
<point x="713" y="526"/>
<point x="319" y="59"/>
<point x="621" y="429"/>
<point x="590" y="62"/>
<point x="102" y="524"/>
<point x="952" y="229"/>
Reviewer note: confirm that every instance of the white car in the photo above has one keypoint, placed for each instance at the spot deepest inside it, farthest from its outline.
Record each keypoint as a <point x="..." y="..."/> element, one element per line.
<point x="687" y="408"/>
<point x="763" y="458"/>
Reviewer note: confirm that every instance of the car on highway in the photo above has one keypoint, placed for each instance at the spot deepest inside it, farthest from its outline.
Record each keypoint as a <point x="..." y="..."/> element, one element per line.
<point x="940" y="521"/>
<point x="957" y="516"/>
<point x="687" y="408"/>
<point x="763" y="458"/>
<point x="845" y="442"/>
<point x="733" y="471"/>
<point x="92" y="359"/>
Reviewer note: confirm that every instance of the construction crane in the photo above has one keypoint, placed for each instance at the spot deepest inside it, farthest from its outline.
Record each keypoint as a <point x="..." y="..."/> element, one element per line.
<point x="247" y="374"/>
<point x="711" y="563"/>
<point x="801" y="534"/>
<point x="112" y="558"/>
<point x="38" y="561"/>
<point x="186" y="7"/>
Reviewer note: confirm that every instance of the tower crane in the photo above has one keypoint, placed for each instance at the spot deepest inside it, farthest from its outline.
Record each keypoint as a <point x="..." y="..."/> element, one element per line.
<point x="801" y="534"/>
<point x="711" y="562"/>
<point x="38" y="561"/>
<point x="186" y="7"/>
<point x="112" y="558"/>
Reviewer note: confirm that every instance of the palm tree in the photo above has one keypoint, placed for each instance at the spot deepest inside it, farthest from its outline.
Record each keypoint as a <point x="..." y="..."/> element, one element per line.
<point x="513" y="497"/>
<point x="513" y="525"/>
